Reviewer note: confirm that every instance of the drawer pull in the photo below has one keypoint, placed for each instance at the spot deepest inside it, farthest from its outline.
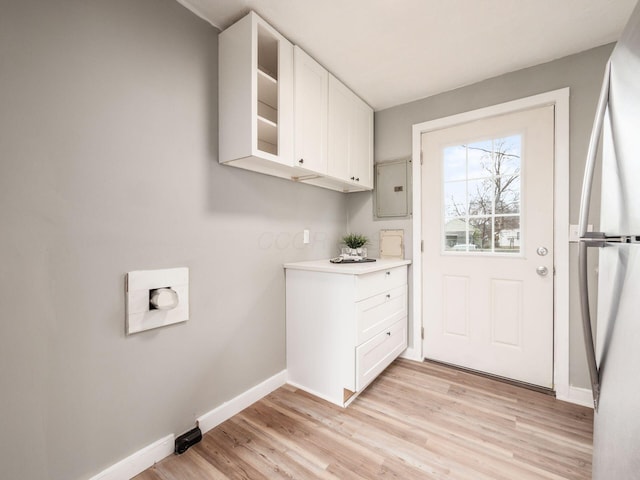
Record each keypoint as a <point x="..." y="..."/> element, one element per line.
<point x="388" y="273"/>
<point x="389" y="333"/>
<point x="388" y="295"/>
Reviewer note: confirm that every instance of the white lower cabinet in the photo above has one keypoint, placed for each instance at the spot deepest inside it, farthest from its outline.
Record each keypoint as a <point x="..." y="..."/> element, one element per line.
<point x="345" y="324"/>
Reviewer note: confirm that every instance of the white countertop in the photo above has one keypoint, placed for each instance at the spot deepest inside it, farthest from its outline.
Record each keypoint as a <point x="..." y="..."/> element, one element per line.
<point x="346" y="268"/>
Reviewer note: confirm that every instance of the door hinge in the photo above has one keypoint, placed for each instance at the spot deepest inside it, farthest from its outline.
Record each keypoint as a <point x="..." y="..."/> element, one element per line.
<point x="422" y="333"/>
<point x="422" y="245"/>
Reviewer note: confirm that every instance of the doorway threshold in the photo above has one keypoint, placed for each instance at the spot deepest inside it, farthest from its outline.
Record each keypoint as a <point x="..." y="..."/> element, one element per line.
<point x="509" y="381"/>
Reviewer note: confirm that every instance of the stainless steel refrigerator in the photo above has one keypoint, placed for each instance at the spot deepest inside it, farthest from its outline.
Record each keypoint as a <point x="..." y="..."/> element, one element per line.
<point x="614" y="357"/>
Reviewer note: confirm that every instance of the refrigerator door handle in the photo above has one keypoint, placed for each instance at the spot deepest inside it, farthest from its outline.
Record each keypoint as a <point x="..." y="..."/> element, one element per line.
<point x="586" y="324"/>
<point x="587" y="182"/>
<point x="585" y="201"/>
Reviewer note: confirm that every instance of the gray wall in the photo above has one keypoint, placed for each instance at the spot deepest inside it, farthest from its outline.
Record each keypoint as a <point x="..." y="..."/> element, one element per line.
<point x="108" y="163"/>
<point x="582" y="72"/>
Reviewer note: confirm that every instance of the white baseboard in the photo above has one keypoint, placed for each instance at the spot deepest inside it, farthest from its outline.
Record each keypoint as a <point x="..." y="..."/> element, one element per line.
<point x="318" y="394"/>
<point x="228" y="409"/>
<point x="578" y="396"/>
<point x="411" y="354"/>
<point x="139" y="461"/>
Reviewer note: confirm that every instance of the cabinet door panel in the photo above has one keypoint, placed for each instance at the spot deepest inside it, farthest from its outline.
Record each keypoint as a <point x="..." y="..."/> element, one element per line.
<point x="350" y="124"/>
<point x="375" y="283"/>
<point x="379" y="312"/>
<point x="362" y="143"/>
<point x="375" y="355"/>
<point x="339" y="124"/>
<point x="311" y="105"/>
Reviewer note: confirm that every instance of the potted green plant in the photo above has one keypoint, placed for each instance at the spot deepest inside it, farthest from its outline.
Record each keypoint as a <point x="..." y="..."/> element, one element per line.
<point x="355" y="242"/>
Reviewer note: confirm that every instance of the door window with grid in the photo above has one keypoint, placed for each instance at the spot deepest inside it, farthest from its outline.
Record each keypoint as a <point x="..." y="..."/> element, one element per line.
<point x="482" y="196"/>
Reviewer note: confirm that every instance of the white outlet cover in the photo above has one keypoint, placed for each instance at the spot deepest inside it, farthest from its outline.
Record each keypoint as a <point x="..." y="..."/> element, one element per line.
<point x="138" y="283"/>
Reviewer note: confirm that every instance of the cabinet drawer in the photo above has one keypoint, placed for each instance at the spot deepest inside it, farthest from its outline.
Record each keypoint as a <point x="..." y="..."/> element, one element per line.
<point x="371" y="284"/>
<point x="375" y="355"/>
<point x="379" y="312"/>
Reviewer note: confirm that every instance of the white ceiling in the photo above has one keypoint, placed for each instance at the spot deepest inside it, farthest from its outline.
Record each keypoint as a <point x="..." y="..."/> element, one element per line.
<point x="394" y="51"/>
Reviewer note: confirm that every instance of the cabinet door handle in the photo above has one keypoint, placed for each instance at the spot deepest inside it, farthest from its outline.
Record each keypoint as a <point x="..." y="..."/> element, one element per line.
<point x="388" y="273"/>
<point x="389" y="334"/>
<point x="358" y="179"/>
<point x="301" y="161"/>
<point x="353" y="178"/>
<point x="388" y="295"/>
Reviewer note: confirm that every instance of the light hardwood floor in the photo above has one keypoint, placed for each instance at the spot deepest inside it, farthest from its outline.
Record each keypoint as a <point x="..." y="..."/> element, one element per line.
<point x="417" y="420"/>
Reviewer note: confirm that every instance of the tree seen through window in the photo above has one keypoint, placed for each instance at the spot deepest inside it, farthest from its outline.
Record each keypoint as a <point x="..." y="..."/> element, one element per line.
<point x="482" y="196"/>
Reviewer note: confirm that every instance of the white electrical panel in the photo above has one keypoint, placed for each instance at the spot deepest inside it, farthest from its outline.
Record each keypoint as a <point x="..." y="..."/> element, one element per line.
<point x="392" y="198"/>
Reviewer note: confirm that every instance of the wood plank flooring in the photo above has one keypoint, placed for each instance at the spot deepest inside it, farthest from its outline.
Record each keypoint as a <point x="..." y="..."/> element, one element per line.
<point x="416" y="421"/>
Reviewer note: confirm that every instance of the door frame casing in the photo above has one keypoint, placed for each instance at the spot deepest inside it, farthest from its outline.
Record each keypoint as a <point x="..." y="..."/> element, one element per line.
<point x="560" y="100"/>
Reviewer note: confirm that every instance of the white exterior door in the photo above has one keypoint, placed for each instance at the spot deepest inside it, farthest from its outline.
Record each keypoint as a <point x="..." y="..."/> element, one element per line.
<point x="487" y="227"/>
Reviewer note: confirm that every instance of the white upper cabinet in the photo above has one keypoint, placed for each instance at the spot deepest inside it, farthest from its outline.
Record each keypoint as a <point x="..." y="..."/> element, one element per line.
<point x="340" y="124"/>
<point x="311" y="82"/>
<point x="350" y="137"/>
<point x="256" y="97"/>
<point x="361" y="160"/>
<point x="279" y="115"/>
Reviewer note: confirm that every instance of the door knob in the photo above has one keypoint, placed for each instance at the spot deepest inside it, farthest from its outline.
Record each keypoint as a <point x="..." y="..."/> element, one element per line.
<point x="542" y="271"/>
<point x="542" y="251"/>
